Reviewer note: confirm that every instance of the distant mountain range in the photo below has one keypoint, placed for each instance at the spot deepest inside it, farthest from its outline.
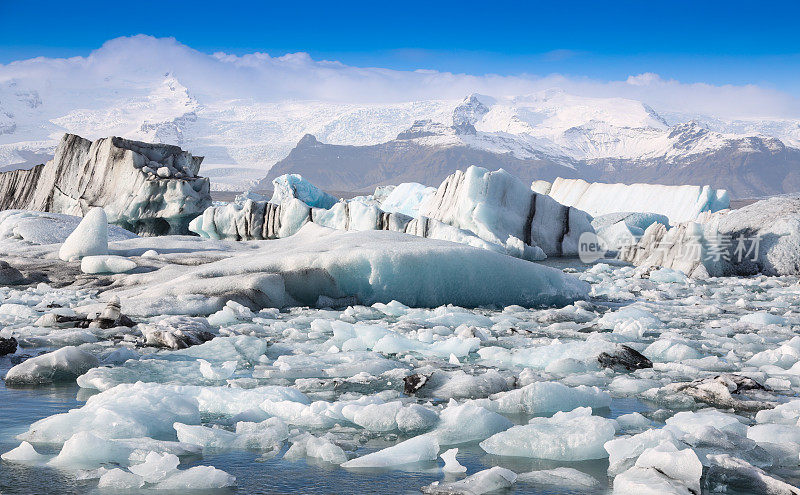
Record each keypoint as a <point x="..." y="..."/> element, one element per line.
<point x="354" y="147"/>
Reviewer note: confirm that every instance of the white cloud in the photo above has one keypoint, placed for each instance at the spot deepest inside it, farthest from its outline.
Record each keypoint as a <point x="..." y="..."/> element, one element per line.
<point x="128" y="64"/>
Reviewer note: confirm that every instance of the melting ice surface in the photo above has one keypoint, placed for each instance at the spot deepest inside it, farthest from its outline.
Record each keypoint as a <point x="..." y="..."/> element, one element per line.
<point x="367" y="398"/>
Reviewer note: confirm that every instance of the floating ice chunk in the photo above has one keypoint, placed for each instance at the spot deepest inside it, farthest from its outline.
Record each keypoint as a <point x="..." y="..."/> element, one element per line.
<point x="668" y="275"/>
<point x="630" y="321"/>
<point x="289" y="186"/>
<point x="374" y="417"/>
<point x="725" y="469"/>
<point x="43" y="228"/>
<point x="774" y="433"/>
<point x="265" y="435"/>
<point x="25" y="453"/>
<point x="788" y="413"/>
<point x="308" y="445"/>
<point x="784" y="356"/>
<point x="624" y="358"/>
<point x="682" y="467"/>
<point x="488" y="480"/>
<point x="693" y="422"/>
<point x="86" y="450"/>
<point x="634" y="421"/>
<point x="197" y="478"/>
<point x="417" y="449"/>
<point x="138" y="410"/>
<point x="89" y="238"/>
<point x="563" y="478"/>
<point x="640" y="481"/>
<point x="233" y="312"/>
<point x="156" y="467"/>
<point x="625" y="385"/>
<point x="453" y="359"/>
<point x="406" y="198"/>
<point x="415" y="418"/>
<point x="457" y="384"/>
<point x="567" y="436"/>
<point x="451" y="464"/>
<point x="222" y="372"/>
<point x="119" y="479"/>
<point x="176" y="332"/>
<point x="63" y="365"/>
<point x="667" y="350"/>
<point x="623" y="452"/>
<point x="150" y="254"/>
<point x="762" y="318"/>
<point x="546" y="397"/>
<point x="208" y="438"/>
<point x="541" y="356"/>
<point x="106" y="264"/>
<point x="467" y="423"/>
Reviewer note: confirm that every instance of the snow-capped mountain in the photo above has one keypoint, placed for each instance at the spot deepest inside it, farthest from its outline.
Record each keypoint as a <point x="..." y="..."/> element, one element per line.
<point x="551" y="134"/>
<point x="247" y="114"/>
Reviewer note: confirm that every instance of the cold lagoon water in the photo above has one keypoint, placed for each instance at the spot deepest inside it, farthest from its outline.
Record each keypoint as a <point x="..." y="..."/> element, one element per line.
<point x="346" y="366"/>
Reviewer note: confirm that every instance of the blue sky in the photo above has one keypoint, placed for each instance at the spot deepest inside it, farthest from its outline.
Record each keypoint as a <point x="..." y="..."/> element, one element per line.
<point x="715" y="42"/>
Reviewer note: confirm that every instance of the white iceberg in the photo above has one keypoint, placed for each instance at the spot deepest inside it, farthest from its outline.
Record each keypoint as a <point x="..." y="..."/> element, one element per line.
<point x="63" y="365"/>
<point x="369" y="266"/>
<point x="567" y="436"/>
<point x="89" y="238"/>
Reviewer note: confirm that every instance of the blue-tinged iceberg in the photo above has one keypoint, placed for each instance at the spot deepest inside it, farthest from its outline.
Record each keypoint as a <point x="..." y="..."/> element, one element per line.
<point x="365" y="267"/>
<point x="490" y="210"/>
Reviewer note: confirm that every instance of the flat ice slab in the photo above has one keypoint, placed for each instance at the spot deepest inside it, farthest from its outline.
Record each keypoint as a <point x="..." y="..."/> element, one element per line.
<point x="679" y="203"/>
<point x="369" y="266"/>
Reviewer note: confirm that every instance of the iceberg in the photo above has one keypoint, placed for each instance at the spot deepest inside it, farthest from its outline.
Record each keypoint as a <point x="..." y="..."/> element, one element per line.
<point x="90" y="237"/>
<point x="417" y="449"/>
<point x="370" y="266"/>
<point x="678" y="203"/>
<point x="763" y="237"/>
<point x="292" y="186"/>
<point x="567" y="436"/>
<point x="486" y="481"/>
<point x="406" y="198"/>
<point x="62" y="365"/>
<point x="149" y="189"/>
<point x="497" y="206"/>
<point x="491" y="210"/>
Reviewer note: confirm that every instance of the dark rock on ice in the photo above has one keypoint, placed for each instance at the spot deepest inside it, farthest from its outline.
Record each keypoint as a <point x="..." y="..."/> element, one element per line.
<point x="176" y="332"/>
<point x="111" y="317"/>
<point x="8" y="346"/>
<point x="726" y="471"/>
<point x="10" y="275"/>
<point x="414" y="382"/>
<point x="726" y="391"/>
<point x="625" y="358"/>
